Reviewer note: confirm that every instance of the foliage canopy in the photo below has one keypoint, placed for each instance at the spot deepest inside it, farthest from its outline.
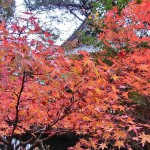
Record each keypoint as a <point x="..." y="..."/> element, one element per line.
<point x="43" y="91"/>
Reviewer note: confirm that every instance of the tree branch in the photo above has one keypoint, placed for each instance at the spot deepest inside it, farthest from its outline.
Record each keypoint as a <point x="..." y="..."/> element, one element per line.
<point x="4" y="140"/>
<point x="17" y="106"/>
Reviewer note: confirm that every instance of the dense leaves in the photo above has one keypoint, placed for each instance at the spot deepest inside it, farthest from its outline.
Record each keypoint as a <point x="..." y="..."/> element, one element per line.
<point x="128" y="29"/>
<point x="45" y="92"/>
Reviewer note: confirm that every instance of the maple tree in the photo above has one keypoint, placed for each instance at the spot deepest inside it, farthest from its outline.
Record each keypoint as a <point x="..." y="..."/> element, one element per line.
<point x="44" y="92"/>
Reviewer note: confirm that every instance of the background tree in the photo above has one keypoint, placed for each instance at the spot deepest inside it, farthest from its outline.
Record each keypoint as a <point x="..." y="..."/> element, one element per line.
<point x="77" y="11"/>
<point x="7" y="8"/>
<point x="83" y="7"/>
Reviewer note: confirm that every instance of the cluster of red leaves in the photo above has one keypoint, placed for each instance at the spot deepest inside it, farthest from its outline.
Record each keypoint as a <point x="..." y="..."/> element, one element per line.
<point x="44" y="91"/>
<point x="127" y="29"/>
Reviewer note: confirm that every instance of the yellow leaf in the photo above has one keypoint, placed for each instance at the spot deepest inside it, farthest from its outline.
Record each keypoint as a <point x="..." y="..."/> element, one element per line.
<point x="119" y="144"/>
<point x="115" y="77"/>
<point x="90" y="17"/>
<point x="96" y="13"/>
<point x="86" y="118"/>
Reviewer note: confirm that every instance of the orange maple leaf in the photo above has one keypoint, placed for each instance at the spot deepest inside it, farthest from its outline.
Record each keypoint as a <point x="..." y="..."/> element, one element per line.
<point x="144" y="138"/>
<point x="119" y="144"/>
<point x="120" y="134"/>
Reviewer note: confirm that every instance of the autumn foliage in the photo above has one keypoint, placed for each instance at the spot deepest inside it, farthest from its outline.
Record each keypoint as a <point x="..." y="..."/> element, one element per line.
<point x="128" y="29"/>
<point x="45" y="92"/>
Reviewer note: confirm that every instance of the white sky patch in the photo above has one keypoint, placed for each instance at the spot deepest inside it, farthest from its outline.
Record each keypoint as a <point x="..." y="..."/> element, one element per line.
<point x="65" y="28"/>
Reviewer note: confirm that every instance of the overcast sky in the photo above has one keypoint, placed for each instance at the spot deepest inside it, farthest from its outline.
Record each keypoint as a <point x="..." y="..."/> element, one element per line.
<point x="66" y="28"/>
